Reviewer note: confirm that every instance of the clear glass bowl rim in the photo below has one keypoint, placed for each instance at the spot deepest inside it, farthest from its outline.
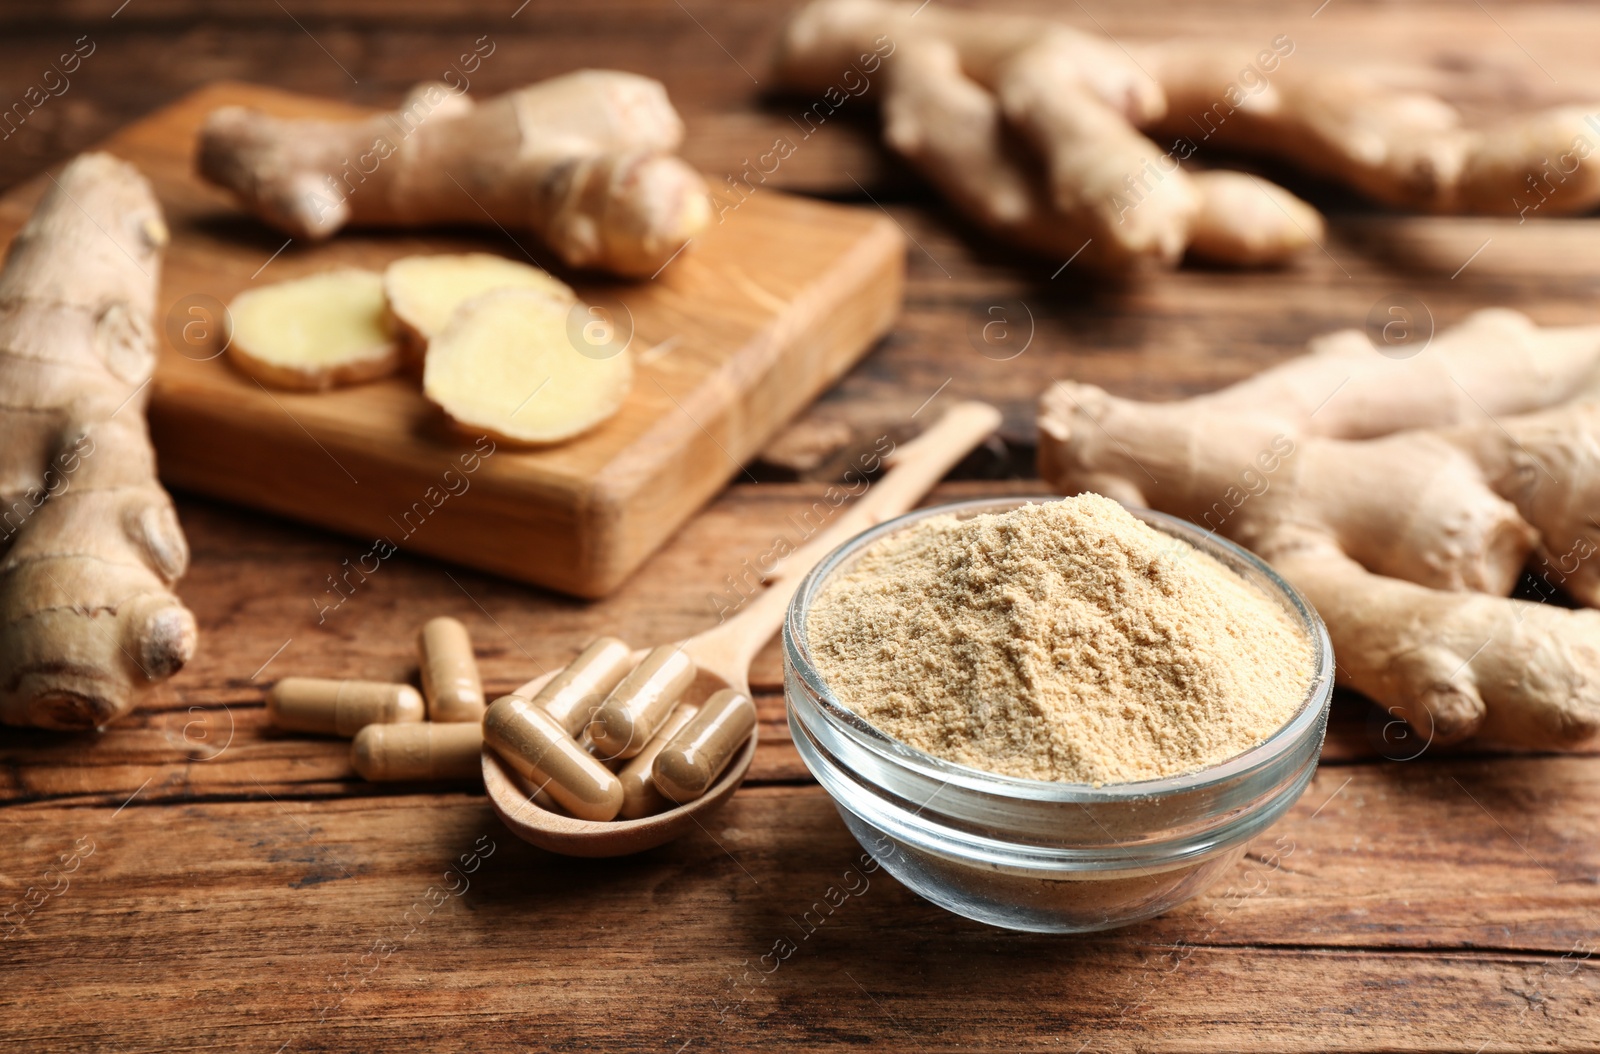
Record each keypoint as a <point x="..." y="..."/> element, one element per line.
<point x="1307" y="717"/>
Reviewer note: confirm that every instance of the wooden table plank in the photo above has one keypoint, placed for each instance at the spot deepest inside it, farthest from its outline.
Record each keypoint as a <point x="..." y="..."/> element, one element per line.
<point x="267" y="908"/>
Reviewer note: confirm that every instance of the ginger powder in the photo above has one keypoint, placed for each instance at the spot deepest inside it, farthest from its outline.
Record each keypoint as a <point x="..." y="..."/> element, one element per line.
<point x="1062" y="641"/>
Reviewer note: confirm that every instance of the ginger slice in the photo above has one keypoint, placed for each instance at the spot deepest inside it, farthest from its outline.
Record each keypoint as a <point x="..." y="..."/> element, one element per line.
<point x="314" y="333"/>
<point x="424" y="291"/>
<point x="506" y="365"/>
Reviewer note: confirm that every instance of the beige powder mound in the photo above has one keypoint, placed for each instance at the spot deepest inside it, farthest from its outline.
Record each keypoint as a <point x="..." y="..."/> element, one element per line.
<point x="1064" y="641"/>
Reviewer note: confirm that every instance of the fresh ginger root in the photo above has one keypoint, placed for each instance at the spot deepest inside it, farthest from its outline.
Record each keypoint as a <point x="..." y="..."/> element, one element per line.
<point x="1038" y="132"/>
<point x="962" y="92"/>
<point x="313" y="333"/>
<point x="584" y="160"/>
<point x="89" y="543"/>
<point x="1403" y="497"/>
<point x="1402" y="148"/>
<point x="508" y="364"/>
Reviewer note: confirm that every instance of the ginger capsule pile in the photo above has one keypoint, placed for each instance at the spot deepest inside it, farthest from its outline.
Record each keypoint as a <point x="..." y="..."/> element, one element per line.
<point x="598" y="740"/>
<point x="606" y="738"/>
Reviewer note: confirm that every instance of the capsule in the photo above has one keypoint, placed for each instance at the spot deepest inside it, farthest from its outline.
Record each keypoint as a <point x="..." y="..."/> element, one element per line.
<point x="689" y="763"/>
<point x="450" y="681"/>
<point x="340" y="708"/>
<point x="572" y="695"/>
<point x="531" y="742"/>
<point x="633" y="711"/>
<point x="639" y="794"/>
<point x="428" y="751"/>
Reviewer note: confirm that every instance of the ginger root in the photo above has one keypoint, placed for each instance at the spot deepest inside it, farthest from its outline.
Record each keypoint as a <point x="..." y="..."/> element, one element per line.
<point x="314" y="333"/>
<point x="1403" y="497"/>
<point x="509" y="364"/>
<point x="89" y="543"/>
<point x="1031" y="128"/>
<point x="1402" y="148"/>
<point x="1042" y="134"/>
<point x="583" y="160"/>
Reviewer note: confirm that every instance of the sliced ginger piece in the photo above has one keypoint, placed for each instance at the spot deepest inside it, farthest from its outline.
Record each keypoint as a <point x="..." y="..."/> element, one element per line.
<point x="506" y="365"/>
<point x="314" y="333"/>
<point x="424" y="291"/>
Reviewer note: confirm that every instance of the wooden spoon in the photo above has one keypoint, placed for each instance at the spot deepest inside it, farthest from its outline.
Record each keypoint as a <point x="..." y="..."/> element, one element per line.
<point x="723" y="653"/>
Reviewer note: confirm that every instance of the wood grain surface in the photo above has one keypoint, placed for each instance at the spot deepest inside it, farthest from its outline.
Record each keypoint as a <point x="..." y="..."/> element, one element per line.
<point x="245" y="892"/>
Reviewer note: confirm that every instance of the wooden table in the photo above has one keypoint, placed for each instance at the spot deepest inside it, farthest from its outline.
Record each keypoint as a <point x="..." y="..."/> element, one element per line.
<point x="234" y="888"/>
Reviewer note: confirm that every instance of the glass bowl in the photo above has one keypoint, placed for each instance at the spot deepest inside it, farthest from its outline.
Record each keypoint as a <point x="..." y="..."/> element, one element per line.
<point x="1038" y="855"/>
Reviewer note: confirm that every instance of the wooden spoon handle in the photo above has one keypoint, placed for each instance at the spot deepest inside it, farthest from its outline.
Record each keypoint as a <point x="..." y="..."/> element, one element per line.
<point x="914" y="469"/>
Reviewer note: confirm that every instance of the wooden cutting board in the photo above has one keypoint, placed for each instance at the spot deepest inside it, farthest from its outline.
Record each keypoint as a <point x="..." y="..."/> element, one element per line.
<point x="759" y="315"/>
